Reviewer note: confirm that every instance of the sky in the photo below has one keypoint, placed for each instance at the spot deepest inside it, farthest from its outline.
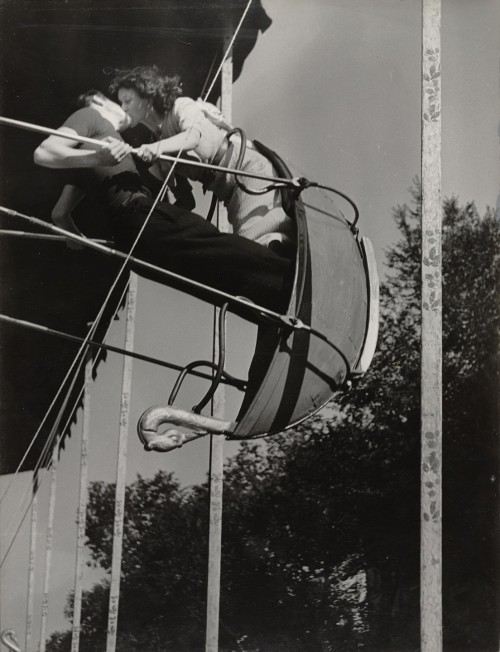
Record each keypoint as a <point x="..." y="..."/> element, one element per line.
<point x="334" y="87"/>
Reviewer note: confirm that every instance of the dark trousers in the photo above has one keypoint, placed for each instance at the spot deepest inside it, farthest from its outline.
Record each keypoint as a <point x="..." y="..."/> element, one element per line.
<point x="185" y="243"/>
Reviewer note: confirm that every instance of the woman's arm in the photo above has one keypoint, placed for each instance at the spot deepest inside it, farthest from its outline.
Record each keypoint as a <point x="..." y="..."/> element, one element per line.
<point x="184" y="141"/>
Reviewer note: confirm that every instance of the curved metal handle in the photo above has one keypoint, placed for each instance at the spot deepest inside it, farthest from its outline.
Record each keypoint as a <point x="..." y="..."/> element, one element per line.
<point x="154" y="417"/>
<point x="9" y="639"/>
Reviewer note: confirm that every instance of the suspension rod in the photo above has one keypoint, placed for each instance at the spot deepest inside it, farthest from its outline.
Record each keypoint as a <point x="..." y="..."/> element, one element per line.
<point x="228" y="380"/>
<point x="293" y="183"/>
<point x="45" y="236"/>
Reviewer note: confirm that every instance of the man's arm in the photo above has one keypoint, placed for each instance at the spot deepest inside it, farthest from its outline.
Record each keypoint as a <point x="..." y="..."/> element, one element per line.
<point x="59" y="153"/>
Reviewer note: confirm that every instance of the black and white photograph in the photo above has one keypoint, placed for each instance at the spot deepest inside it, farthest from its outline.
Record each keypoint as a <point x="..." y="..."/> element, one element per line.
<point x="249" y="325"/>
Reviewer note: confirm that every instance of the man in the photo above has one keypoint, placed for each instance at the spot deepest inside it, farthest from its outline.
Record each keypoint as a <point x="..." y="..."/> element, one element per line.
<point x="174" y="238"/>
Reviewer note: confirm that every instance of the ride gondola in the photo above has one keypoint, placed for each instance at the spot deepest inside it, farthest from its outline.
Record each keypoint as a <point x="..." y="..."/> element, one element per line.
<point x="327" y="338"/>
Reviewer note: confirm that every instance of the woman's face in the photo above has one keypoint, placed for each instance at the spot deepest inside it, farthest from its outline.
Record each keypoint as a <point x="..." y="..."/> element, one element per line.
<point x="133" y="104"/>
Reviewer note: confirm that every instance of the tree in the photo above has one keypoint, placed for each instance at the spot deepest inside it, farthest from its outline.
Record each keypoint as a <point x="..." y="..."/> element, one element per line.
<point x="321" y="525"/>
<point x="163" y="571"/>
<point x="358" y="474"/>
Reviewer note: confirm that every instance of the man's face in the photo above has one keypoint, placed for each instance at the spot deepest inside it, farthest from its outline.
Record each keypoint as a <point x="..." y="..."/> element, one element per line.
<point x="133" y="104"/>
<point x="112" y="112"/>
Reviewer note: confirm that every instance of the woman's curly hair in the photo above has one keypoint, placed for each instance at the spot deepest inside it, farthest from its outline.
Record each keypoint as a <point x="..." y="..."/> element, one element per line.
<point x="150" y="84"/>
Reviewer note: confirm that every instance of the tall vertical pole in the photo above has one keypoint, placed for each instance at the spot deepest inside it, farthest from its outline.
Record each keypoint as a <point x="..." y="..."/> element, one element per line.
<point x="82" y="510"/>
<point x="121" y="469"/>
<point x="32" y="562"/>
<point x="218" y="410"/>
<point x="431" y="416"/>
<point x="49" y="539"/>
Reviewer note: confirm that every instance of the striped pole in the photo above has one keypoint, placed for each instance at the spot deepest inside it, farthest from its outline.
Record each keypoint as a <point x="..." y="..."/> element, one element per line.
<point x="49" y="539"/>
<point x="32" y="563"/>
<point x="121" y="470"/>
<point x="431" y="416"/>
<point x="218" y="410"/>
<point x="82" y="510"/>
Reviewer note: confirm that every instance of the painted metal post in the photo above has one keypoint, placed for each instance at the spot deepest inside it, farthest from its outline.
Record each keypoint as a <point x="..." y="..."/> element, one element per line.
<point x="431" y="416"/>
<point x="48" y="545"/>
<point x="82" y="510"/>
<point x="121" y="470"/>
<point x="218" y="410"/>
<point x="32" y="562"/>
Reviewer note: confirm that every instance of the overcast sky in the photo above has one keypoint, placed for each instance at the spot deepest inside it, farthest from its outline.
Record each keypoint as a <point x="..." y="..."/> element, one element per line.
<point x="333" y="86"/>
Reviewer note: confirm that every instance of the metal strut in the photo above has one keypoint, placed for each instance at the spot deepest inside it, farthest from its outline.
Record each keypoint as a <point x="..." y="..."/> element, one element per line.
<point x="218" y="367"/>
<point x="296" y="182"/>
<point x="314" y="184"/>
<point x="238" y="166"/>
<point x="198" y="425"/>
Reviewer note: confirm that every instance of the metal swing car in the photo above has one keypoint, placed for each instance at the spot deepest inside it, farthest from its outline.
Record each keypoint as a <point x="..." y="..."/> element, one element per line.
<point x="327" y="337"/>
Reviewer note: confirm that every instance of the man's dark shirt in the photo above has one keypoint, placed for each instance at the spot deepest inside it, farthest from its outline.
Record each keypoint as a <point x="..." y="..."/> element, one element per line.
<point x="110" y="185"/>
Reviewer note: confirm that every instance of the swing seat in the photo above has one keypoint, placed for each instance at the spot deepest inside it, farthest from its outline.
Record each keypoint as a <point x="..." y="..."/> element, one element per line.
<point x="335" y="291"/>
<point x="335" y="295"/>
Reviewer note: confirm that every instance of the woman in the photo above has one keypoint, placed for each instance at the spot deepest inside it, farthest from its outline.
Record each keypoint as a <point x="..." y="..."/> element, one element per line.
<point x="181" y="125"/>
